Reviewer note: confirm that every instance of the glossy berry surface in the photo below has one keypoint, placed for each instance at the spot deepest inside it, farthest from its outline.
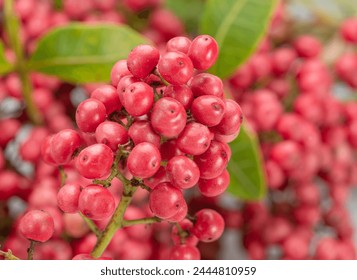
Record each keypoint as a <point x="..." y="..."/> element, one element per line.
<point x="96" y="202"/>
<point x="182" y="172"/>
<point x="64" y="144"/>
<point x="68" y="196"/>
<point x="168" y="117"/>
<point x="142" y="60"/>
<point x="209" y="225"/>
<point x="90" y="113"/>
<point x="185" y="252"/>
<point x="111" y="134"/>
<point x="144" y="160"/>
<point x="176" y="68"/>
<point x="138" y="98"/>
<point x="37" y="225"/>
<point x="94" y="161"/>
<point x="166" y="200"/>
<point x="203" y="52"/>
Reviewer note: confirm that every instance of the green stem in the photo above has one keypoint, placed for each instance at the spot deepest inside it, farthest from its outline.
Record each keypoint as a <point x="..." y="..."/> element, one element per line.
<point x="115" y="223"/>
<point x="146" y="221"/>
<point x="163" y="81"/>
<point x="182" y="233"/>
<point x="12" y="26"/>
<point x="91" y="225"/>
<point x="63" y="175"/>
<point x="31" y="250"/>
<point x="8" y="255"/>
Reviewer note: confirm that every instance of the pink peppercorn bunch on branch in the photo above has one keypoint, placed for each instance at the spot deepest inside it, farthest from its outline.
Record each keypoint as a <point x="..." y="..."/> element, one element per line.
<point x="161" y="125"/>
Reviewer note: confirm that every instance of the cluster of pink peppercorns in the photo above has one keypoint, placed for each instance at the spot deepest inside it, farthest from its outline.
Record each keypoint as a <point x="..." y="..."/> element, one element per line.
<point x="162" y="125"/>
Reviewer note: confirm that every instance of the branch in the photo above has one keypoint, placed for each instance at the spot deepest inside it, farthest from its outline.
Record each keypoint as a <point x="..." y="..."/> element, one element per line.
<point x="150" y="220"/>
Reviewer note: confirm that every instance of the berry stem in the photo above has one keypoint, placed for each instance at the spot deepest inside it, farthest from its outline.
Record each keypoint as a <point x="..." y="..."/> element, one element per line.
<point x="91" y="225"/>
<point x="63" y="175"/>
<point x="163" y="81"/>
<point x="182" y="233"/>
<point x="8" y="255"/>
<point x="31" y="250"/>
<point x="150" y="220"/>
<point x="115" y="223"/>
<point x="12" y="25"/>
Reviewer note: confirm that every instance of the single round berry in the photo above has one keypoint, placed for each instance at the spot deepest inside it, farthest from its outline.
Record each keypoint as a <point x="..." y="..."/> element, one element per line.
<point x="180" y="215"/>
<point x="108" y="96"/>
<point x="176" y="68"/>
<point x="96" y="202"/>
<point x="111" y="134"/>
<point x="206" y="84"/>
<point x="209" y="225"/>
<point x="138" y="99"/>
<point x="168" y="117"/>
<point x="182" y="93"/>
<point x="142" y="60"/>
<point x="185" y="252"/>
<point x="208" y="109"/>
<point x="232" y="119"/>
<point x="182" y="172"/>
<point x="194" y="139"/>
<point x="165" y="200"/>
<point x="37" y="225"/>
<point x="142" y="131"/>
<point x="307" y="46"/>
<point x="94" y="161"/>
<point x="178" y="44"/>
<point x="119" y="70"/>
<point x="68" y="196"/>
<point x="144" y="160"/>
<point x="64" y="144"/>
<point x="215" y="186"/>
<point x="90" y="113"/>
<point x="212" y="162"/>
<point x="203" y="52"/>
<point x="349" y="30"/>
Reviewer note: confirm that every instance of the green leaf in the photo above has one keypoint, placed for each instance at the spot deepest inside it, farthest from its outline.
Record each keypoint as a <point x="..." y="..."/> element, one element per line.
<point x="246" y="167"/>
<point x="82" y="53"/>
<point x="5" y="66"/>
<point x="238" y="26"/>
<point x="188" y="11"/>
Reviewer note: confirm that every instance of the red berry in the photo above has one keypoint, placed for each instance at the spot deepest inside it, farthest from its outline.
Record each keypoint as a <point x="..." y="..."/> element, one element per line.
<point x="108" y="96"/>
<point x="176" y="68"/>
<point x="232" y="119"/>
<point x="64" y="144"/>
<point x="144" y="160"/>
<point x="215" y="186"/>
<point x="212" y="162"/>
<point x="168" y="117"/>
<point x="96" y="202"/>
<point x="111" y="134"/>
<point x="182" y="93"/>
<point x="46" y="150"/>
<point x="94" y="161"/>
<point x="123" y="84"/>
<point x="209" y="225"/>
<point x="142" y="60"/>
<point x="307" y="46"/>
<point x="206" y="84"/>
<point x="68" y="197"/>
<point x="185" y="252"/>
<point x="349" y="30"/>
<point x="203" y="52"/>
<point x="166" y="200"/>
<point x="142" y="131"/>
<point x="179" y="44"/>
<point x="182" y="172"/>
<point x="190" y="239"/>
<point x="37" y="225"/>
<point x="194" y="139"/>
<point x="119" y="70"/>
<point x="138" y="99"/>
<point x="208" y="110"/>
<point x="90" y="113"/>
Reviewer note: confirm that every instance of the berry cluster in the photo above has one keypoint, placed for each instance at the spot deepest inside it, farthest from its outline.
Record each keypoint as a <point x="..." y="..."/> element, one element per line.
<point x="308" y="142"/>
<point x="162" y="126"/>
